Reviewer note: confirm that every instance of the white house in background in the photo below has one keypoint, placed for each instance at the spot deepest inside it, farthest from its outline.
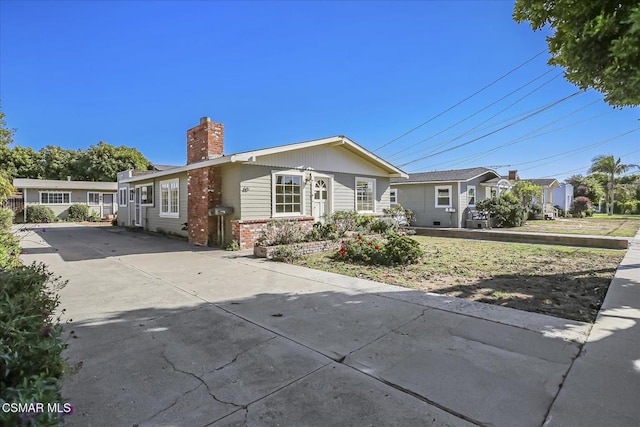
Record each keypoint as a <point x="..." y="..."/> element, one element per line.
<point x="60" y="195"/>
<point x="563" y="196"/>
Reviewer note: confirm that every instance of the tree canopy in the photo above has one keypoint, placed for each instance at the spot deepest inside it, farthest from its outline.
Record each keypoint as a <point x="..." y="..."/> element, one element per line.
<point x="596" y="42"/>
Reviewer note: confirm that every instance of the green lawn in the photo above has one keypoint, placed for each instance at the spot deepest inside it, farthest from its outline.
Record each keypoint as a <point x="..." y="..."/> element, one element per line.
<point x="560" y="281"/>
<point x="599" y="225"/>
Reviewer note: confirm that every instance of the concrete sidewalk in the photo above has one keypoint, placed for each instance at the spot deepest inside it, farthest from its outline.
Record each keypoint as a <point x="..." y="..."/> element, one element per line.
<point x="165" y="333"/>
<point x="603" y="384"/>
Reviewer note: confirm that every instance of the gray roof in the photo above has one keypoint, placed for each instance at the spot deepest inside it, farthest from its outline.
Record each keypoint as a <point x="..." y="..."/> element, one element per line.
<point x="54" y="184"/>
<point x="445" y="176"/>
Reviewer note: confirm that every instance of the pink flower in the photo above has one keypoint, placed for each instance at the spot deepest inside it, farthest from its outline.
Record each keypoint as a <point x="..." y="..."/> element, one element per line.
<point x="46" y="331"/>
<point x="370" y="243"/>
<point x="377" y="247"/>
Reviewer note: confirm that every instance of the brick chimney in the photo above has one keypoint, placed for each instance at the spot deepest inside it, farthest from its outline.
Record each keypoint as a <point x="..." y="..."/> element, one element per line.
<point x="204" y="184"/>
<point x="205" y="141"/>
<point x="513" y="175"/>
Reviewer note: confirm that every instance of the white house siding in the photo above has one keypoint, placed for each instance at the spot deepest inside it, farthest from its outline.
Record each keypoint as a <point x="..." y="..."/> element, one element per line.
<point x="75" y="197"/>
<point x="563" y="196"/>
<point x="322" y="158"/>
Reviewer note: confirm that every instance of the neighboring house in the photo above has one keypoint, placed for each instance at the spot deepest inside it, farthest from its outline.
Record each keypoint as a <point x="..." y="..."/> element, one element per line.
<point x="444" y="198"/>
<point x="563" y="196"/>
<point x="217" y="198"/>
<point x="60" y="195"/>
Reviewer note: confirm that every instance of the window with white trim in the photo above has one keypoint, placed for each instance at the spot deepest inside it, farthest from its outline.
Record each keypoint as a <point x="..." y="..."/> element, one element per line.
<point x="287" y="194"/>
<point x="54" y="198"/>
<point x="471" y="195"/>
<point x="443" y="196"/>
<point x="365" y="194"/>
<point x="132" y="195"/>
<point x="393" y="196"/>
<point x="169" y="198"/>
<point x="93" y="199"/>
<point x="146" y="195"/>
<point x="122" y="197"/>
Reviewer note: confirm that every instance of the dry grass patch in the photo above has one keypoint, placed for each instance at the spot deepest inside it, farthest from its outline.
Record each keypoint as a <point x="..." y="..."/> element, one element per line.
<point x="559" y="281"/>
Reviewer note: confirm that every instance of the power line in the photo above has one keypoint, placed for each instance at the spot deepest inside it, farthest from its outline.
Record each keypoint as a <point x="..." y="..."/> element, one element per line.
<point x="585" y="167"/>
<point x="461" y="102"/>
<point x="470" y="116"/>
<point x="471" y="131"/>
<point x="577" y="150"/>
<point x="541" y="110"/>
<point x="526" y="136"/>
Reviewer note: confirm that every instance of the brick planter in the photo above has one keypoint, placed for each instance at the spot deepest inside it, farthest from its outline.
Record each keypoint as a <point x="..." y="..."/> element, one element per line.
<point x="246" y="232"/>
<point x="304" y="248"/>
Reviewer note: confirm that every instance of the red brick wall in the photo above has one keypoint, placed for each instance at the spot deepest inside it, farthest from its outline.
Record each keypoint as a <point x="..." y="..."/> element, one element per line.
<point x="246" y="232"/>
<point x="205" y="141"/>
<point x="204" y="191"/>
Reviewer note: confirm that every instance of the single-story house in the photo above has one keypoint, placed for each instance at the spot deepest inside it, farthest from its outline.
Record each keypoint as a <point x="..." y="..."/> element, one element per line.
<point x="443" y="198"/>
<point x="216" y="198"/>
<point x="549" y="185"/>
<point x="59" y="195"/>
<point x="563" y="196"/>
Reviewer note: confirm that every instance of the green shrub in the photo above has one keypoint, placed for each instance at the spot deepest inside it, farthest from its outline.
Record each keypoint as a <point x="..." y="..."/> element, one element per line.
<point x="281" y="232"/>
<point x="78" y="212"/>
<point x="39" y="213"/>
<point x="6" y="219"/>
<point x="398" y="249"/>
<point x="232" y="246"/>
<point x="94" y="217"/>
<point x="505" y="210"/>
<point x="382" y="225"/>
<point x="400" y="214"/>
<point x="343" y="221"/>
<point x="322" y="231"/>
<point x="9" y="250"/>
<point x="31" y="348"/>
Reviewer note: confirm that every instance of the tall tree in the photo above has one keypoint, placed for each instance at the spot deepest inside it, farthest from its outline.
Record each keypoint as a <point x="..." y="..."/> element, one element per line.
<point x="57" y="163"/>
<point x="103" y="161"/>
<point x="611" y="167"/>
<point x="596" y="42"/>
<point x="6" y="134"/>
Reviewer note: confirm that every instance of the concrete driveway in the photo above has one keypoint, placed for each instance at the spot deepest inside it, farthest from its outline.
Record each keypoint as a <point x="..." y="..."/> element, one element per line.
<point x="162" y="333"/>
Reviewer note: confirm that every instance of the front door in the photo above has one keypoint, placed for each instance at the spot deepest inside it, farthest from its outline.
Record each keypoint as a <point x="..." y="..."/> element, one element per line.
<point x="138" y="209"/>
<point x="320" y="198"/>
<point x="107" y="205"/>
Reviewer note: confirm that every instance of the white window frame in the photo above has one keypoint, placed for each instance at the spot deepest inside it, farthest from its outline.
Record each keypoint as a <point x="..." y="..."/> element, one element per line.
<point x="147" y="185"/>
<point x="444" y="187"/>
<point x="393" y="194"/>
<point x="303" y="186"/>
<point x="169" y="183"/>
<point x="370" y="181"/>
<point x="475" y="195"/>
<point x="89" y="198"/>
<point x="123" y="196"/>
<point x="132" y="195"/>
<point x="49" y="192"/>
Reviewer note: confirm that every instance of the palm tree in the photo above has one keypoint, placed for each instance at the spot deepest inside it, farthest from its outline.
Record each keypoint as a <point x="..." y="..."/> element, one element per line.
<point x="611" y="167"/>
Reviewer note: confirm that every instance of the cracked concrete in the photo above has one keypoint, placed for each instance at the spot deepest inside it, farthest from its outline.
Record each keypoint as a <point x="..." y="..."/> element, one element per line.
<point x="171" y="334"/>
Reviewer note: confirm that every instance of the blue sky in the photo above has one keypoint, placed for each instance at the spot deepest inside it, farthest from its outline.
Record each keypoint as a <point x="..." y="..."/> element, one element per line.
<point x="141" y="73"/>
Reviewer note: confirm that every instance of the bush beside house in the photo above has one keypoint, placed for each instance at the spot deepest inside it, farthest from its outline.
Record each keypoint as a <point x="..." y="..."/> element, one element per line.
<point x="31" y="359"/>
<point x="506" y="210"/>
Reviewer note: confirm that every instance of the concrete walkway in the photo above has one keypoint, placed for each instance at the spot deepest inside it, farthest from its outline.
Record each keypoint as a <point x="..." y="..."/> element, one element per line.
<point x="603" y="385"/>
<point x="162" y="333"/>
